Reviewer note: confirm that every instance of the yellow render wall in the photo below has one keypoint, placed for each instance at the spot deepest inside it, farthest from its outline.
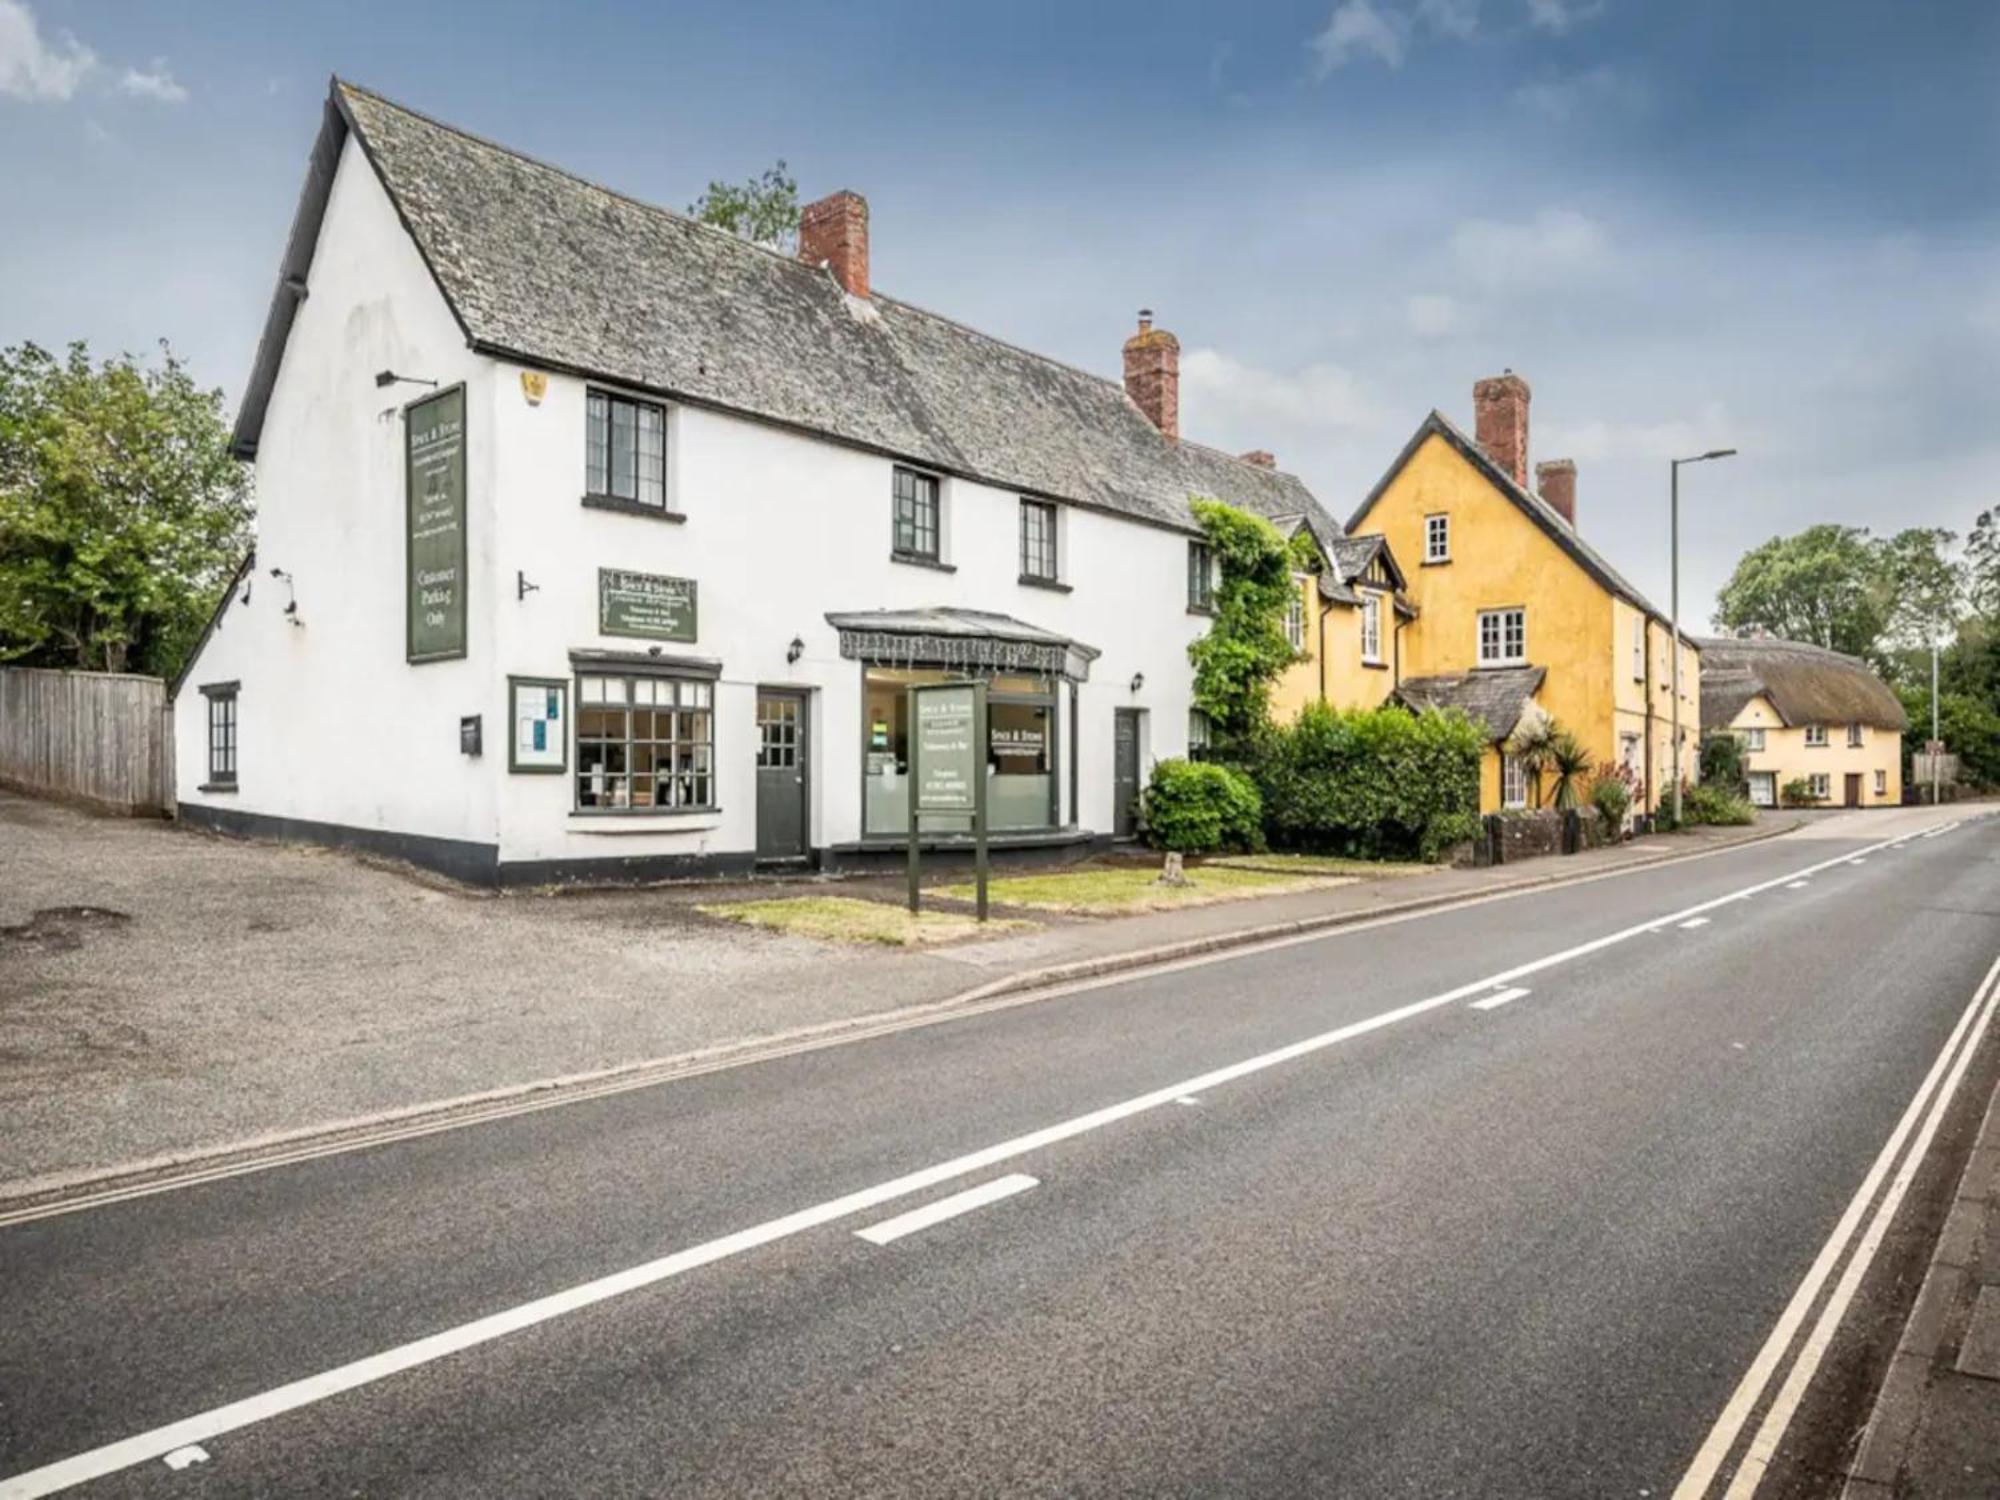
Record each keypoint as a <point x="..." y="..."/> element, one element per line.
<point x="1348" y="684"/>
<point x="1498" y="558"/>
<point x="1786" y="753"/>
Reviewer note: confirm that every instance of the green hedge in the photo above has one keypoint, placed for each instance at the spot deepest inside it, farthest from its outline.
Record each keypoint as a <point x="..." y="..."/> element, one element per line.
<point x="1371" y="783"/>
<point x="1198" y="807"/>
<point x="1713" y="804"/>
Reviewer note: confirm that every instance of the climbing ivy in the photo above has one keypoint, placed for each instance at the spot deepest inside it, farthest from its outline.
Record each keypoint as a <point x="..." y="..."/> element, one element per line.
<point x="1245" y="649"/>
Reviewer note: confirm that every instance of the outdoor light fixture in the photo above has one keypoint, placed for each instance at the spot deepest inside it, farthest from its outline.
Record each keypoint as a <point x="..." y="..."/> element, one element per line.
<point x="794" y="651"/>
<point x="1138" y="681"/>
<point x="292" y="608"/>
<point x="523" y="588"/>
<point x="390" y="377"/>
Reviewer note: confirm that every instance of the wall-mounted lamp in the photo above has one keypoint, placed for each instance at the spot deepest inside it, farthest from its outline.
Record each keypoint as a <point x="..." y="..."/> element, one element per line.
<point x="1138" y="681"/>
<point x="390" y="377"/>
<point x="794" y="651"/>
<point x="292" y="596"/>
<point x="523" y="588"/>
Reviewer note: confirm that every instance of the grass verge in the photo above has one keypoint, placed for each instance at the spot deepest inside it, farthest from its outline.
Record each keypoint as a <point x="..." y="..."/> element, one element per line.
<point x="1114" y="891"/>
<point x="845" y="919"/>
<point x="1320" y="864"/>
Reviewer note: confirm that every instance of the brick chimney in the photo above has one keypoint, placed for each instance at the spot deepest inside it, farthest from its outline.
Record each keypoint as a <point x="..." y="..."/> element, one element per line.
<point x="1263" y="458"/>
<point x="1555" y="482"/>
<point x="1500" y="420"/>
<point x="1153" y="374"/>
<point x="834" y="233"/>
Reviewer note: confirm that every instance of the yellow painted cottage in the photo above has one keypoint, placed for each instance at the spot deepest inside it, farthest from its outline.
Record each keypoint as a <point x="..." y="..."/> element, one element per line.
<point x="1456" y="585"/>
<point x="1807" y="717"/>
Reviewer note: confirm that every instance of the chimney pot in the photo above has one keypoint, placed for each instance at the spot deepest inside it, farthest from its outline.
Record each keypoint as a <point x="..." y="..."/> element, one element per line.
<point x="1263" y="458"/>
<point x="1500" y="420"/>
<point x="833" y="232"/>
<point x="1555" y="482"/>
<point x="1153" y="374"/>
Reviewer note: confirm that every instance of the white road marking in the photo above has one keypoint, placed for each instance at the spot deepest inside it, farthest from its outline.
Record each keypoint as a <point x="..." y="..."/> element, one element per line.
<point x="1188" y="1100"/>
<point x="1797" y="885"/>
<point x="180" y="1458"/>
<point x="1494" y="1002"/>
<point x="112" y="1457"/>
<point x="1692" y="922"/>
<point x="1750" y="1390"/>
<point x="890" y="1230"/>
<point x="1857" y="861"/>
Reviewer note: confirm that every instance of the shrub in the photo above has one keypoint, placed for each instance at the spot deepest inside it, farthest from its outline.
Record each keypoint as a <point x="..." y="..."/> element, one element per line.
<point x="1798" y="792"/>
<point x="1372" y="783"/>
<point x="1611" y="795"/>
<point x="1713" y="804"/>
<point x="1197" y="807"/>
<point x="1722" y="758"/>
<point x="1569" y="763"/>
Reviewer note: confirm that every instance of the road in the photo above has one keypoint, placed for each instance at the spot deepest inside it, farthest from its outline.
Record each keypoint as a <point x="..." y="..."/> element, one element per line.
<point x="1502" y="1200"/>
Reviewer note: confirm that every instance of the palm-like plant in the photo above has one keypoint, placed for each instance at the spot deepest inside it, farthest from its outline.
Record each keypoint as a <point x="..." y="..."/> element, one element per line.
<point x="1531" y="746"/>
<point x="1569" y="762"/>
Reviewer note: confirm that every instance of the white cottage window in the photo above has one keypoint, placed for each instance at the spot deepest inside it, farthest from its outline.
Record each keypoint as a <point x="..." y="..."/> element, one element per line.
<point x="1371" y="629"/>
<point x="1503" y="637"/>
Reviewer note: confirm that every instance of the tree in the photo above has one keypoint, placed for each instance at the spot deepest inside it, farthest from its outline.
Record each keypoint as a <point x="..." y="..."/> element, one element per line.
<point x="1244" y="649"/>
<point x="1922" y="589"/>
<point x="764" y="210"/>
<point x="122" y="514"/>
<point x="1821" y="586"/>
<point x="1982" y="566"/>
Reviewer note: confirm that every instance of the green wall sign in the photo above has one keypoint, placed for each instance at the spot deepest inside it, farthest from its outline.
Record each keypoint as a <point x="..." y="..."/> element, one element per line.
<point x="645" y="604"/>
<point x="434" y="511"/>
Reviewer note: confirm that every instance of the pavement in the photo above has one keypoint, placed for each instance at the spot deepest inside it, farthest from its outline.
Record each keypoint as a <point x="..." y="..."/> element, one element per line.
<point x="1501" y="1199"/>
<point x="167" y="995"/>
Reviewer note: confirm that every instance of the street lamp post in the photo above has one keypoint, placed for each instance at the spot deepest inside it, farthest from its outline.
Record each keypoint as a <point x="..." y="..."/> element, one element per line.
<point x="1674" y="522"/>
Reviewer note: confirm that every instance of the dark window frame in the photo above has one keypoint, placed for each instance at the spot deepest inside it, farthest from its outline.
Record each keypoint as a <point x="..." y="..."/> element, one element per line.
<point x="1041" y="549"/>
<point x="222" y="715"/>
<point x="1201" y="576"/>
<point x="600" y="478"/>
<point x="630" y="674"/>
<point x="917" y="536"/>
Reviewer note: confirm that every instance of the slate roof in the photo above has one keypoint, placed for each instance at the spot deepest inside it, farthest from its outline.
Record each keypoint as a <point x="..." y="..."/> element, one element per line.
<point x="1806" y="684"/>
<point x="545" y="268"/>
<point x="1532" y="505"/>
<point x="1493" y="697"/>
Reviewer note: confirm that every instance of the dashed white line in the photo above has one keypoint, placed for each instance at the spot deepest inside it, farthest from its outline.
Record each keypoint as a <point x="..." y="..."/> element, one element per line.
<point x="124" y="1453"/>
<point x="1494" y="1002"/>
<point x="1694" y="922"/>
<point x="1797" y="885"/>
<point x="890" y="1230"/>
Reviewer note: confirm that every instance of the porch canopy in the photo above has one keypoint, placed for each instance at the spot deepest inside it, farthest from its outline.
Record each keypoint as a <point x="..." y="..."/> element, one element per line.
<point x="970" y="640"/>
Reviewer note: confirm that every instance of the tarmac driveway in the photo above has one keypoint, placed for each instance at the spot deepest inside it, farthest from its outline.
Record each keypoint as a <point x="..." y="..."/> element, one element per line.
<point x="163" y="989"/>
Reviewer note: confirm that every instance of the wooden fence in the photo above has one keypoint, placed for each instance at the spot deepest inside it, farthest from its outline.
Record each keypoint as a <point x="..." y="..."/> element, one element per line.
<point x="102" y="738"/>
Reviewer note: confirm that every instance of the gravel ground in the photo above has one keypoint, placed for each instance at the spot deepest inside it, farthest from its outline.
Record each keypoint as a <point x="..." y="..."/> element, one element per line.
<point x="162" y="989"/>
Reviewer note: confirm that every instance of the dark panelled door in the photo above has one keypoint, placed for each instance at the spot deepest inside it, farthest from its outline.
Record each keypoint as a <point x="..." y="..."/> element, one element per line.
<point x="1125" y="774"/>
<point x="781" y="775"/>
<point x="1853" y="788"/>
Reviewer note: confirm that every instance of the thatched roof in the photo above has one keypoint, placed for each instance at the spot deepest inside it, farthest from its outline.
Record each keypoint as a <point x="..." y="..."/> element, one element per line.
<point x="1806" y="684"/>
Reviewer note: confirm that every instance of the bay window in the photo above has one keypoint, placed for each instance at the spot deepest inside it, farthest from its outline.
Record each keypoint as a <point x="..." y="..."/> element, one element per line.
<point x="645" y="742"/>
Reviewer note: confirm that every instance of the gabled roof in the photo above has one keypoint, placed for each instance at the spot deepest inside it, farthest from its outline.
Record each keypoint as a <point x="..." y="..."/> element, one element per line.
<point x="1806" y="684"/>
<point x="1492" y="697"/>
<point x="542" y="267"/>
<point x="1530" y="504"/>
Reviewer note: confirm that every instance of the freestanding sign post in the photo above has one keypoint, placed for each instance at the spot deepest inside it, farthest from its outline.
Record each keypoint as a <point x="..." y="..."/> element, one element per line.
<point x="948" y="769"/>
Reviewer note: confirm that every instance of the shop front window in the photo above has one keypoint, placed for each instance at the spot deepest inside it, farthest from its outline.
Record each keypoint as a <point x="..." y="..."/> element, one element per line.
<point x="1021" y="752"/>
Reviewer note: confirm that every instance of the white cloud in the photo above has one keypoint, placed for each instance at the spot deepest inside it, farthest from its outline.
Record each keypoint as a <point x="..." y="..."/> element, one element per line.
<point x="1555" y="242"/>
<point x="1655" y="442"/>
<point x="31" y="68"/>
<point x="1431" y="315"/>
<point x="1355" y="27"/>
<point x="1559" y="15"/>
<point x="155" y="83"/>
<point x="1453" y="18"/>
<point x="1237" y="404"/>
<point x="1594" y="91"/>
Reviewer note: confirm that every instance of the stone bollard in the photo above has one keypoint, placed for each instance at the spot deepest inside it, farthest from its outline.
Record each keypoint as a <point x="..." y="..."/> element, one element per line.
<point x="1172" y="873"/>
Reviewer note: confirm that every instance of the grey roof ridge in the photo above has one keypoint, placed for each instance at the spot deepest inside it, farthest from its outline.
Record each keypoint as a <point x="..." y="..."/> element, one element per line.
<point x="1539" y="510"/>
<point x="339" y="83"/>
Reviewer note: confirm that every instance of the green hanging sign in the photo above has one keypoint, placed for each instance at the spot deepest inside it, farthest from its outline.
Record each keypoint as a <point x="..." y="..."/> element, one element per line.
<point x="434" y="513"/>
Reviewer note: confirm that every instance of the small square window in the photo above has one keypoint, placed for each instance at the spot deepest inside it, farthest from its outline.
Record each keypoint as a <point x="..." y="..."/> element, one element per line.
<point x="1503" y="637"/>
<point x="1437" y="539"/>
<point x="1816" y="736"/>
<point x="625" y="450"/>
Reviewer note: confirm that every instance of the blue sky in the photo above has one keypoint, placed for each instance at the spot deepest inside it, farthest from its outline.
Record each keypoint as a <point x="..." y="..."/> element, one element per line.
<point x="1773" y="225"/>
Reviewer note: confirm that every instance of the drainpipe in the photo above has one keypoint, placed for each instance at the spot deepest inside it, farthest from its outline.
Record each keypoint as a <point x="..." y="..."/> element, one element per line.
<point x="1325" y="609"/>
<point x="1396" y="646"/>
